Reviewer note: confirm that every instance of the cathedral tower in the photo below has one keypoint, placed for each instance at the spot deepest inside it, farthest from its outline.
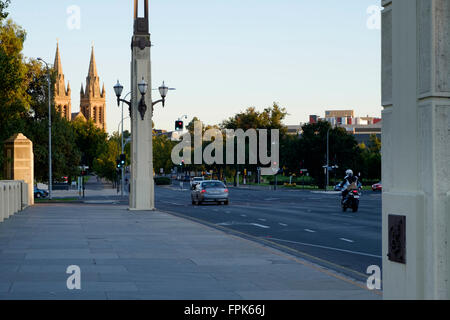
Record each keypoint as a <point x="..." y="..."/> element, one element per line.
<point x="92" y="99"/>
<point x="61" y="96"/>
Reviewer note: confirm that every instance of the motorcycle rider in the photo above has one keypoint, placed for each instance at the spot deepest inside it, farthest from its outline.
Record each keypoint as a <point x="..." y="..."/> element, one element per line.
<point x="348" y="180"/>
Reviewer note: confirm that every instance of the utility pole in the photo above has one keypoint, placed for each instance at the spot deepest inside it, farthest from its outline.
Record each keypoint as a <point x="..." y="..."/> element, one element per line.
<point x="50" y="178"/>
<point x="328" y="159"/>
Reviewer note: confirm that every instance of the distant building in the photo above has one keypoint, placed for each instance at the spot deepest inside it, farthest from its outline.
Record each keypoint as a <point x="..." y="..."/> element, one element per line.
<point x="171" y="135"/>
<point x="313" y="118"/>
<point x="92" y="99"/>
<point x="61" y="95"/>
<point x="361" y="127"/>
<point x="339" y="114"/>
<point x="294" y="129"/>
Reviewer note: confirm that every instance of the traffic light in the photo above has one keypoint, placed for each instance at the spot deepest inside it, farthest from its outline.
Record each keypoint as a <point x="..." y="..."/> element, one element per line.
<point x="118" y="164"/>
<point x="179" y="125"/>
<point x="123" y="158"/>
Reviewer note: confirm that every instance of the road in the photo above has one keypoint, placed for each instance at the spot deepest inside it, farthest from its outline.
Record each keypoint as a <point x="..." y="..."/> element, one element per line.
<point x="307" y="224"/>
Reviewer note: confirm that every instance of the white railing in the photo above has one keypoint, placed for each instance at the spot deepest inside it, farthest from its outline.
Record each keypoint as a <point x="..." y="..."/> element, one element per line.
<point x="13" y="198"/>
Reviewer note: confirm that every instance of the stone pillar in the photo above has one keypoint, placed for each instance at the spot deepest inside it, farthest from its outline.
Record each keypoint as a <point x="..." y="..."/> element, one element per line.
<point x="142" y="185"/>
<point x="20" y="162"/>
<point x="416" y="149"/>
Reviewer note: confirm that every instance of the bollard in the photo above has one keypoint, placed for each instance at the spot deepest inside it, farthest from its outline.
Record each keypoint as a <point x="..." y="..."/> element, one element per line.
<point x="11" y="201"/>
<point x="24" y="187"/>
<point x="18" y="197"/>
<point x="2" y="202"/>
<point x="13" y="198"/>
<point x="7" y="200"/>
<point x="13" y="205"/>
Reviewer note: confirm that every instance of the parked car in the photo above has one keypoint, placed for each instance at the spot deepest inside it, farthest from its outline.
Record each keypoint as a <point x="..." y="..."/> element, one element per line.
<point x="196" y="180"/>
<point x="39" y="193"/>
<point x="377" y="186"/>
<point x="210" y="191"/>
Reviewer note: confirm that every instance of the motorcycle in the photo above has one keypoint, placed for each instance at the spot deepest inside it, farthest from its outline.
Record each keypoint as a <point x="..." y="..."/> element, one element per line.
<point x="351" y="200"/>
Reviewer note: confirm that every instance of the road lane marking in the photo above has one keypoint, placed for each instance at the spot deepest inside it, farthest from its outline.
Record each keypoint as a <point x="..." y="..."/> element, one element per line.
<point x="346" y="240"/>
<point x="173" y="203"/>
<point x="309" y="230"/>
<point x="283" y="224"/>
<point x="262" y="219"/>
<point x="238" y="235"/>
<point x="260" y="225"/>
<point x="328" y="248"/>
<point x="243" y="215"/>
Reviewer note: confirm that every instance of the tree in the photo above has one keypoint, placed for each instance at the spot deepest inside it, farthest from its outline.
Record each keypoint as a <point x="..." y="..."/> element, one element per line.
<point x="343" y="150"/>
<point x="162" y="150"/>
<point x="14" y="100"/>
<point x="371" y="159"/>
<point x="270" y="118"/>
<point x="3" y="5"/>
<point x="105" y="164"/>
<point x="90" y="140"/>
<point x="65" y="153"/>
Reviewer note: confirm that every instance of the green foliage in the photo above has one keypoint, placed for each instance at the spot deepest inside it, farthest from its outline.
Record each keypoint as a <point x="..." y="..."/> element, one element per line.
<point x="270" y="118"/>
<point x="14" y="101"/>
<point x="371" y="159"/>
<point x="312" y="150"/>
<point x="162" y="181"/>
<point x="90" y="140"/>
<point x="162" y="149"/>
<point x="3" y="5"/>
<point x="65" y="153"/>
<point x="105" y="164"/>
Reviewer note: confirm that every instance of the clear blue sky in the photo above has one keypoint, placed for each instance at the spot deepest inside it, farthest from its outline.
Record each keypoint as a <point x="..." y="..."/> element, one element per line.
<point x="222" y="55"/>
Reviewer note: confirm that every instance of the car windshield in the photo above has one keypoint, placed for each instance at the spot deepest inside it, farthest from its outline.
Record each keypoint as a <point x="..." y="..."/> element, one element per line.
<point x="210" y="185"/>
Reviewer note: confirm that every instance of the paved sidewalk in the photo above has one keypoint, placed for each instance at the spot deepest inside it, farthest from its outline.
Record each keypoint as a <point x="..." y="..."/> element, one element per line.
<point x="149" y="255"/>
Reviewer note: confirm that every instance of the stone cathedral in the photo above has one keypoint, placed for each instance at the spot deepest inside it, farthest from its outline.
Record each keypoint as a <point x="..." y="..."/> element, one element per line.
<point x="92" y="99"/>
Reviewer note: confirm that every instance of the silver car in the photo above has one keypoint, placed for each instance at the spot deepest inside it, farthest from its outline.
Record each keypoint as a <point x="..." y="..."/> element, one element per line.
<point x="210" y="191"/>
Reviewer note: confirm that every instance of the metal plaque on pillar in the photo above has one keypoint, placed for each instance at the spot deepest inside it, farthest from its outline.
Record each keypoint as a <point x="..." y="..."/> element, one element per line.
<point x="397" y="238"/>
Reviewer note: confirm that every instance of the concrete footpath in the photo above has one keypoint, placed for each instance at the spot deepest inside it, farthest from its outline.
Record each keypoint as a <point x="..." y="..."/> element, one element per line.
<point x="149" y="255"/>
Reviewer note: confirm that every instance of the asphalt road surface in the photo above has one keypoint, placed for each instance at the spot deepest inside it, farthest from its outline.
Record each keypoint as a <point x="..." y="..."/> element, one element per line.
<point x="304" y="223"/>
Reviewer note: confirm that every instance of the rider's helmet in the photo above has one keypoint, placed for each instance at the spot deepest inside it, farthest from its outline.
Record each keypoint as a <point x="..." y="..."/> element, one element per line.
<point x="349" y="173"/>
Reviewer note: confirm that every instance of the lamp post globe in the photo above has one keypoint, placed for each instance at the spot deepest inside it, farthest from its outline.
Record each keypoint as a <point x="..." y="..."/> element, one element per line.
<point x="163" y="89"/>
<point x="142" y="86"/>
<point x="118" y="88"/>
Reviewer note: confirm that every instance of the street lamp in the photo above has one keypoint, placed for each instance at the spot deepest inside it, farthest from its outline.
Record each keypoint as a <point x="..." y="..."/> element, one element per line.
<point x="118" y="88"/>
<point x="49" y="131"/>
<point x="142" y="87"/>
<point x="142" y="107"/>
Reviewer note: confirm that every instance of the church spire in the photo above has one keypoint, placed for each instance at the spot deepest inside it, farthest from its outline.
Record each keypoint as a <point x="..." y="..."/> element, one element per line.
<point x="92" y="65"/>
<point x="58" y="65"/>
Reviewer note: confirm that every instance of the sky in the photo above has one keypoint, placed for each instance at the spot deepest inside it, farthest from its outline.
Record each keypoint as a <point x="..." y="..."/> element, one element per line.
<point x="222" y="56"/>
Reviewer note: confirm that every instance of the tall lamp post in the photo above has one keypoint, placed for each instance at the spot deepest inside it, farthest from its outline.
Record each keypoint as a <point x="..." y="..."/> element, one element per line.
<point x="50" y="178"/>
<point x="328" y="159"/>
<point x="142" y="108"/>
<point x="118" y="88"/>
